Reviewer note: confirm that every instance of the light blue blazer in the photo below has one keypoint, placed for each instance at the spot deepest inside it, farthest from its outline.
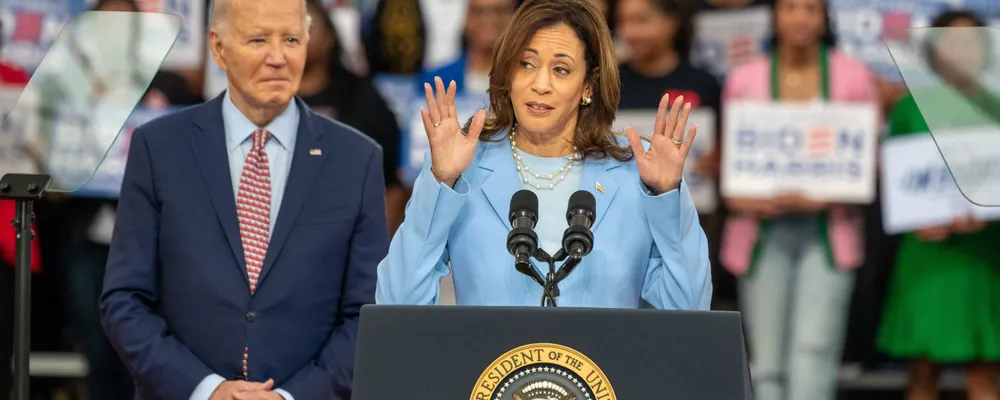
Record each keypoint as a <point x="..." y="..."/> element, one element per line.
<point x="645" y="246"/>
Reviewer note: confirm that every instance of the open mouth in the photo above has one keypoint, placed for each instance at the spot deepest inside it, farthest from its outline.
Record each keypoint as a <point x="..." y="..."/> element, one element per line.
<point x="539" y="107"/>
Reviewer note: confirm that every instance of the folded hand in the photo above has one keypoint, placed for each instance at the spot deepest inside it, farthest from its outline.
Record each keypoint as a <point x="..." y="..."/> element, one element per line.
<point x="229" y="390"/>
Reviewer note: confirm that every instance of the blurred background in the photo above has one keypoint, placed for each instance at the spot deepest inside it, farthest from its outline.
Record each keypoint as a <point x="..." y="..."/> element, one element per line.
<point x="366" y="63"/>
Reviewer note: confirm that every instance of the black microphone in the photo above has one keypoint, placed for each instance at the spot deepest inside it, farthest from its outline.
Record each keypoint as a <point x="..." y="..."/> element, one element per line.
<point x="522" y="242"/>
<point x="578" y="240"/>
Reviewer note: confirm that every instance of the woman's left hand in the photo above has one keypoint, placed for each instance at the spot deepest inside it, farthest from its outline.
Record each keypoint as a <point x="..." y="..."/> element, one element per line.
<point x="662" y="167"/>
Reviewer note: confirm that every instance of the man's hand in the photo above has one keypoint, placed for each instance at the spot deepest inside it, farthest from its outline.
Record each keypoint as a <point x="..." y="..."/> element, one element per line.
<point x="261" y="395"/>
<point x="229" y="389"/>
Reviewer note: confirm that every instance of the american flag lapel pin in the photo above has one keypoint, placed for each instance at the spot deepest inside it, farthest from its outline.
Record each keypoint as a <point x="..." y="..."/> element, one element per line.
<point x="315" y="152"/>
<point x="599" y="187"/>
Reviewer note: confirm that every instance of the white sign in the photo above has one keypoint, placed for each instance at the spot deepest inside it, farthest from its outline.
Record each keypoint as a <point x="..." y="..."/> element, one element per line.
<point x="188" y="49"/>
<point x="728" y="38"/>
<point x="973" y="157"/>
<point x="919" y="190"/>
<point x="703" y="188"/>
<point x="820" y="150"/>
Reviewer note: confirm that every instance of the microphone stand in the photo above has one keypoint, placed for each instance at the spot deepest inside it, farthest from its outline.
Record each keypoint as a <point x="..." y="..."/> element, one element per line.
<point x="24" y="189"/>
<point x="549" y="291"/>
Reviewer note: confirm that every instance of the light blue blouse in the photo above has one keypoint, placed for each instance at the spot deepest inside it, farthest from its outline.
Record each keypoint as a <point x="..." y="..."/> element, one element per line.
<point x="645" y="246"/>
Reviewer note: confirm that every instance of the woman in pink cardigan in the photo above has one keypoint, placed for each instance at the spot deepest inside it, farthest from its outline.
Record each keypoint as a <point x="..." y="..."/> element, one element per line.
<point x="794" y="256"/>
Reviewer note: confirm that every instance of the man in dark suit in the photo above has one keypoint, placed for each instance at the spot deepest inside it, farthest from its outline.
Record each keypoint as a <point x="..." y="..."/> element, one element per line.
<point x="248" y="231"/>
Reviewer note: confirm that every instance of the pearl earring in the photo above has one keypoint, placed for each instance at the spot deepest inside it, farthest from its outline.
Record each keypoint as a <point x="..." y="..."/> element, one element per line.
<point x="586" y="101"/>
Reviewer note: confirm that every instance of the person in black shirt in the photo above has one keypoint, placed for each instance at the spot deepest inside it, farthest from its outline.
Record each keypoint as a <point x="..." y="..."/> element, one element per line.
<point x="659" y="34"/>
<point x="732" y="4"/>
<point x="329" y="88"/>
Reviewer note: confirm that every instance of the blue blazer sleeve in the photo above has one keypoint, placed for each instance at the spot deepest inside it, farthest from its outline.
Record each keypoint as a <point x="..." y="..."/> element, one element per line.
<point x="329" y="376"/>
<point x="157" y="360"/>
<point x="418" y="255"/>
<point x="679" y="274"/>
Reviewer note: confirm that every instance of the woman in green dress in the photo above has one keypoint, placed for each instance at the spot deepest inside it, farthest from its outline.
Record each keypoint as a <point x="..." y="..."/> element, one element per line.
<point x="944" y="301"/>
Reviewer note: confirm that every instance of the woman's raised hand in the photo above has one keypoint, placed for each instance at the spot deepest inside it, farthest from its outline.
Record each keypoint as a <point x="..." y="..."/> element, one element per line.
<point x="662" y="167"/>
<point x="451" y="149"/>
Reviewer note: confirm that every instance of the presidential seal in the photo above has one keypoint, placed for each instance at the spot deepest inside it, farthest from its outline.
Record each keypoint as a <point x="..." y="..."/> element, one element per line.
<point x="543" y="371"/>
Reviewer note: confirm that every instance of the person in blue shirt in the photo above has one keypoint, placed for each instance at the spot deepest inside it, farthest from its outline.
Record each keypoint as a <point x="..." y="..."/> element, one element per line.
<point x="485" y="21"/>
<point x="553" y="96"/>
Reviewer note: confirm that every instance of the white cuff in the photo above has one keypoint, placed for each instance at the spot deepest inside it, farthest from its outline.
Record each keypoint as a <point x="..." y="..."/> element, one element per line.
<point x="207" y="386"/>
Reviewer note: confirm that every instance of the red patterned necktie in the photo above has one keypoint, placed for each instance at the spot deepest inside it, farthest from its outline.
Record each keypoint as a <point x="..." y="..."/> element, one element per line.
<point x="253" y="206"/>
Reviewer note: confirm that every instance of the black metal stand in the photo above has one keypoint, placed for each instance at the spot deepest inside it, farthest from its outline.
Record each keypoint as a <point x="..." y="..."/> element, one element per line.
<point x="24" y="189"/>
<point x="550" y="289"/>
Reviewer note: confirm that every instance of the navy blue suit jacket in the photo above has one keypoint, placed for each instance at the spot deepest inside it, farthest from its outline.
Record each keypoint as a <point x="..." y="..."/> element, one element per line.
<point x="176" y="302"/>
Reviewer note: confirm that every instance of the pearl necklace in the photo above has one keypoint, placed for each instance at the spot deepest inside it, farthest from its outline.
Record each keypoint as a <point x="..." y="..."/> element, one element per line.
<point x="558" y="176"/>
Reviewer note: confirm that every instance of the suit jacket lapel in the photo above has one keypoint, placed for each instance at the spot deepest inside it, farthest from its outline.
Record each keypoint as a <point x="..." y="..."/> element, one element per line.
<point x="306" y="167"/>
<point x="213" y="160"/>
<point x="598" y="175"/>
<point x="502" y="181"/>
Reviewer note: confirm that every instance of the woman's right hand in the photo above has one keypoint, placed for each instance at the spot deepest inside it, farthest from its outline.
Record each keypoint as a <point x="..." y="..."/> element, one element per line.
<point x="451" y="149"/>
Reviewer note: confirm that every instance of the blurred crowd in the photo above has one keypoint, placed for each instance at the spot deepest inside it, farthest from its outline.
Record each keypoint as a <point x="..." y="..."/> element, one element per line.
<point x="813" y="301"/>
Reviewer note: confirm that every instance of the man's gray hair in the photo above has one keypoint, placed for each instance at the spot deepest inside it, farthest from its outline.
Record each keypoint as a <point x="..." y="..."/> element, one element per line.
<point x="219" y="15"/>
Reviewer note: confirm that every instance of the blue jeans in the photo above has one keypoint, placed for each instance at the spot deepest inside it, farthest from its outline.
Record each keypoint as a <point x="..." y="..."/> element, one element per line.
<point x="795" y="305"/>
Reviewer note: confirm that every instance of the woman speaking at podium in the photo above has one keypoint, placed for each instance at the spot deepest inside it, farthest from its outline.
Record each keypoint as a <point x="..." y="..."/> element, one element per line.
<point x="554" y="90"/>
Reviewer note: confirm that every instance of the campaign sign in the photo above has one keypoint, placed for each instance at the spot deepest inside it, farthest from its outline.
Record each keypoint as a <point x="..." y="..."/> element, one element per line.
<point x="972" y="154"/>
<point x="187" y="51"/>
<point x="919" y="190"/>
<point x="107" y="181"/>
<point x="415" y="145"/>
<point x="727" y="38"/>
<point x="863" y="27"/>
<point x="30" y="27"/>
<point x="820" y="150"/>
<point x="702" y="188"/>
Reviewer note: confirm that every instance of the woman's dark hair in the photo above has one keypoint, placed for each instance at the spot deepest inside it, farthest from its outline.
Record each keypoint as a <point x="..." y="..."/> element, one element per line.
<point x="683" y="10"/>
<point x="336" y="51"/>
<point x="828" y="38"/>
<point x="947" y="19"/>
<point x="103" y="3"/>
<point x="593" y="136"/>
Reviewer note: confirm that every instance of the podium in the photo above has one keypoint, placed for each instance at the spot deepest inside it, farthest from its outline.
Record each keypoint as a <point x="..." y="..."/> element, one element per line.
<point x="527" y="353"/>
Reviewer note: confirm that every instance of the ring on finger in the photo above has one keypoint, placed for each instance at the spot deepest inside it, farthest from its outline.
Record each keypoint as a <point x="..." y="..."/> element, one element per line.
<point x="677" y="142"/>
<point x="437" y="124"/>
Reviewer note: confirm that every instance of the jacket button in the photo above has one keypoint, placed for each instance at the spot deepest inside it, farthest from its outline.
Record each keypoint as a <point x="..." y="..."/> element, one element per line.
<point x="251" y="316"/>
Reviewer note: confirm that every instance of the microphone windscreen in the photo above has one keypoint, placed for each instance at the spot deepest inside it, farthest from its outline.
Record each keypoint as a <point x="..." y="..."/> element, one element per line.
<point x="524" y="200"/>
<point x="584" y="200"/>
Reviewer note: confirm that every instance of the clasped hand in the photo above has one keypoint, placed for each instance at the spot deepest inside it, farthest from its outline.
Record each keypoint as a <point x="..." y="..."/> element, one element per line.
<point x="243" y="390"/>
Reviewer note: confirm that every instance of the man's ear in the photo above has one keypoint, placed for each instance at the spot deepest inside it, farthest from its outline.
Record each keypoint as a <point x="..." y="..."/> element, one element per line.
<point x="215" y="44"/>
